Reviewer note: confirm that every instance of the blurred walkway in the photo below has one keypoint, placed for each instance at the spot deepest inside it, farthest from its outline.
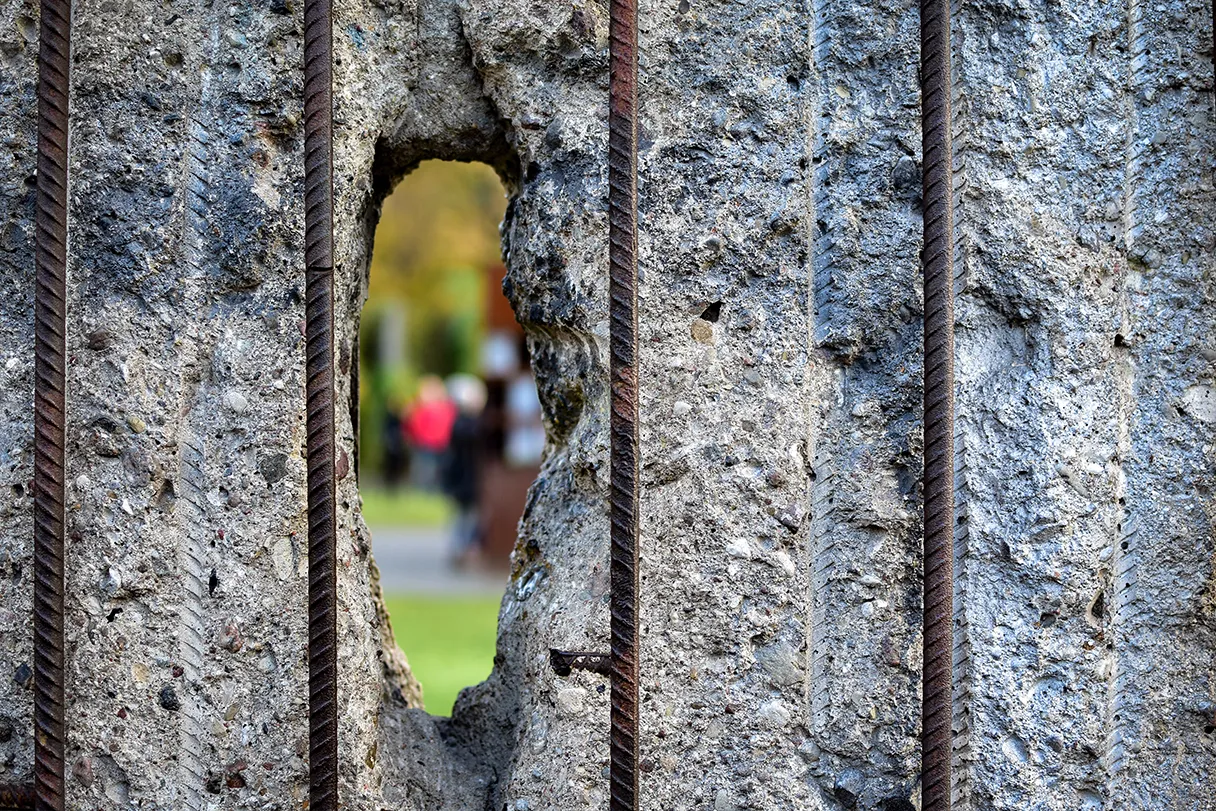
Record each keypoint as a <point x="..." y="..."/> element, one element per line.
<point x="414" y="560"/>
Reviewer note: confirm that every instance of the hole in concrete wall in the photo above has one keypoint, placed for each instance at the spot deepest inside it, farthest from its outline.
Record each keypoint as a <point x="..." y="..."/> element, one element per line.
<point x="1097" y="608"/>
<point x="450" y="430"/>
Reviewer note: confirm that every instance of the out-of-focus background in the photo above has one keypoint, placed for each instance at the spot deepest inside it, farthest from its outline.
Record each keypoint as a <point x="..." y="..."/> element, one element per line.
<point x="450" y="432"/>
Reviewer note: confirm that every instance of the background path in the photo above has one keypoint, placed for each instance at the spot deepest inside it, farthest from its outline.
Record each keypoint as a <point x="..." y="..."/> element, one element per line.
<point x="414" y="560"/>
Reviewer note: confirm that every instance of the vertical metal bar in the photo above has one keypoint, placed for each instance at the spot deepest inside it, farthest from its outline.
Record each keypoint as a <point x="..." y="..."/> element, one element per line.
<point x="623" y="342"/>
<point x="319" y="332"/>
<point x="50" y="329"/>
<point x="937" y="259"/>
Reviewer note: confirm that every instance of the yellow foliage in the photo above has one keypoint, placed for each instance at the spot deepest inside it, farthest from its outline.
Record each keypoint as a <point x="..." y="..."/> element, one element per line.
<point x="441" y="219"/>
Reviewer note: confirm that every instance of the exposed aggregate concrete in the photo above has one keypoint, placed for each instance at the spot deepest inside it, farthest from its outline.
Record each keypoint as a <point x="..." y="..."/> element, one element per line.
<point x="780" y="333"/>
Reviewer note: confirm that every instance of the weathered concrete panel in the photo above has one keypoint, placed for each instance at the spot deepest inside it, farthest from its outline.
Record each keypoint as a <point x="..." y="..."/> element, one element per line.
<point x="781" y="343"/>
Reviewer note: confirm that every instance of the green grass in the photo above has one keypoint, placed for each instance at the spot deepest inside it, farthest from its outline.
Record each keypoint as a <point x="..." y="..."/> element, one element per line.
<point x="405" y="508"/>
<point x="449" y="642"/>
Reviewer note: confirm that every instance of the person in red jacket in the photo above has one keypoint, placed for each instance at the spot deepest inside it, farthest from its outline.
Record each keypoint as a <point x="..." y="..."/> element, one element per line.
<point x="428" y="429"/>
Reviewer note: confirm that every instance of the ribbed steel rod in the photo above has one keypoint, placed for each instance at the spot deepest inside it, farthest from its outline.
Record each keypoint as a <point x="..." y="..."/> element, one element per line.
<point x="319" y="334"/>
<point x="623" y="344"/>
<point x="51" y="238"/>
<point x="936" y="736"/>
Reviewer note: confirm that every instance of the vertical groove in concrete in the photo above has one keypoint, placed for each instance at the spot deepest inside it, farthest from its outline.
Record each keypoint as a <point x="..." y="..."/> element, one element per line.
<point x="1123" y="710"/>
<point x="209" y="154"/>
<point x="863" y="182"/>
<point x="825" y="374"/>
<point x="1164" y="620"/>
<point x="198" y="189"/>
<point x="192" y="509"/>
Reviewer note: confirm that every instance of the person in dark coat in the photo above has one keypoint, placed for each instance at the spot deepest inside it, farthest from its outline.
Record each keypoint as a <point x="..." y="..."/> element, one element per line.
<point x="392" y="446"/>
<point x="461" y="473"/>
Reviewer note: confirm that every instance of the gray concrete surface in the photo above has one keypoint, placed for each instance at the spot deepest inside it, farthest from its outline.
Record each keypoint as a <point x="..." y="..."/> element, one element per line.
<point x="780" y="354"/>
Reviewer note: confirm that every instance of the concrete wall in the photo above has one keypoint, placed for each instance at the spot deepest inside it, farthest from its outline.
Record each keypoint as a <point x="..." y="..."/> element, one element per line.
<point x="781" y="344"/>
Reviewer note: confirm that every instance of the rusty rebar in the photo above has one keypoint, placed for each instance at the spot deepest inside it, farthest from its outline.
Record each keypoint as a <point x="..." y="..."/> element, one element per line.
<point x="937" y="260"/>
<point x="319" y="337"/>
<point x="16" y="797"/>
<point x="623" y="345"/>
<point x="50" y="329"/>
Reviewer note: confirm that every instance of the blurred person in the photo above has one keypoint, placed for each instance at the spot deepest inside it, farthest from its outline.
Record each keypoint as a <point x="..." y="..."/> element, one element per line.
<point x="461" y="473"/>
<point x="428" y="428"/>
<point x="525" y="443"/>
<point x="393" y="444"/>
